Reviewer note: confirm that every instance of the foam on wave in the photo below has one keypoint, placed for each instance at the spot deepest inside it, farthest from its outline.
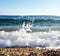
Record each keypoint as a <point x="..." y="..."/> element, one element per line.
<point x="39" y="39"/>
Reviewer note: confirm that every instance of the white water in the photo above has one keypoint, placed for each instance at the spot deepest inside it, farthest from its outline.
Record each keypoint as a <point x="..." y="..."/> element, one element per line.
<point x="50" y="39"/>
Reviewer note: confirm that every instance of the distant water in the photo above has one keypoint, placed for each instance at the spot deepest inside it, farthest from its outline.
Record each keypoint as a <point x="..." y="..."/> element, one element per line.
<point x="45" y="31"/>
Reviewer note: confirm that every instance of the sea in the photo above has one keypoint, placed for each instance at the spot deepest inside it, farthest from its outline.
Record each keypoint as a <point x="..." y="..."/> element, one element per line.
<point x="44" y="31"/>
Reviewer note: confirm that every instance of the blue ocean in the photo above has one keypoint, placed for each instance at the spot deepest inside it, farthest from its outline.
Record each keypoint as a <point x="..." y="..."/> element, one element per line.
<point x="30" y="30"/>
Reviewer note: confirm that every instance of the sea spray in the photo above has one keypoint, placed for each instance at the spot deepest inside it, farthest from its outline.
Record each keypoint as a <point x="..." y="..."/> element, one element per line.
<point x="37" y="31"/>
<point x="36" y="39"/>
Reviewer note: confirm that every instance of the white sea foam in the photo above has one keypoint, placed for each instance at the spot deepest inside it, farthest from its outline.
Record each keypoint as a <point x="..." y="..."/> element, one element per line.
<point x="50" y="39"/>
<point x="22" y="38"/>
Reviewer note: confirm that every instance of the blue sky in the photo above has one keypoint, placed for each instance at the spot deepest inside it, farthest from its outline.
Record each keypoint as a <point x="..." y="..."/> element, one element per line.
<point x="29" y="7"/>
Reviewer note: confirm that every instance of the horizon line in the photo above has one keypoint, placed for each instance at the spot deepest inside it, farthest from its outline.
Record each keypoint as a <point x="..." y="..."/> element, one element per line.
<point x="27" y="15"/>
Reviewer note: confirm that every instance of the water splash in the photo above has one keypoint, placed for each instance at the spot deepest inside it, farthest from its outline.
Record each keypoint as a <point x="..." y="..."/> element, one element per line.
<point x="28" y="38"/>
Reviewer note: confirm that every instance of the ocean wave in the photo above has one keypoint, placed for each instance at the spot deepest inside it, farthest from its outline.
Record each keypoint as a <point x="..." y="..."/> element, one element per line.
<point x="45" y="31"/>
<point x="35" y="39"/>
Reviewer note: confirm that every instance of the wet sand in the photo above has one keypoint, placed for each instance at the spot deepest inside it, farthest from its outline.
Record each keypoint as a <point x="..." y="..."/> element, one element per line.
<point x="28" y="52"/>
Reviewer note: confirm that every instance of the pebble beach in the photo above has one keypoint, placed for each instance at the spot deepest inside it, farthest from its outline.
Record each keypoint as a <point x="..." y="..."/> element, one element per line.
<point x="28" y="52"/>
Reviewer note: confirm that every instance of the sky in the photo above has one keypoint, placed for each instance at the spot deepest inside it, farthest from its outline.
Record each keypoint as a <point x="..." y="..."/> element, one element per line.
<point x="30" y="7"/>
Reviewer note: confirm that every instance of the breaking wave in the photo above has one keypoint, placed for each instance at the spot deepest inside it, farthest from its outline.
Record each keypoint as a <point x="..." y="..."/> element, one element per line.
<point x="44" y="33"/>
<point x="34" y="39"/>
